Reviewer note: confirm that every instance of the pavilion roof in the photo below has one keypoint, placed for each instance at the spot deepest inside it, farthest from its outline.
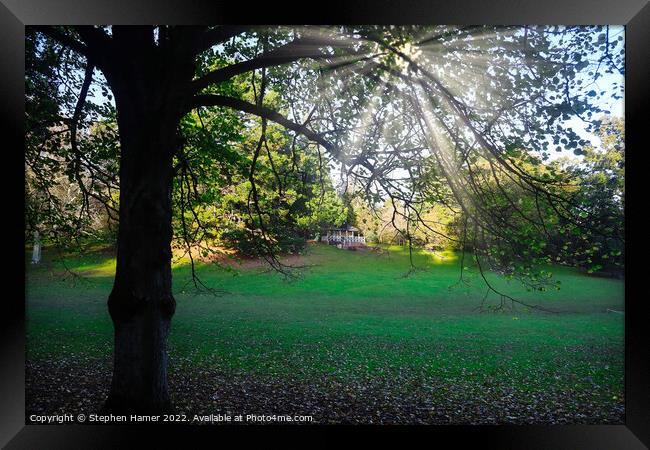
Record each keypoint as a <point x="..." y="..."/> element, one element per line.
<point x="344" y="228"/>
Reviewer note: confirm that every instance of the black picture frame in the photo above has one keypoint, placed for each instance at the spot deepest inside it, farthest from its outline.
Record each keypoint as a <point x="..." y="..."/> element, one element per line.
<point x="634" y="14"/>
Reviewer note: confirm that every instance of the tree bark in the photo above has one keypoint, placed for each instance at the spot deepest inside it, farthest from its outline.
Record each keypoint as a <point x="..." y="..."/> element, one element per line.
<point x="141" y="303"/>
<point x="149" y="83"/>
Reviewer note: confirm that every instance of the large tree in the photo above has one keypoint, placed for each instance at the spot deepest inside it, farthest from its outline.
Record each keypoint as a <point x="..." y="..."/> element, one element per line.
<point x="408" y="113"/>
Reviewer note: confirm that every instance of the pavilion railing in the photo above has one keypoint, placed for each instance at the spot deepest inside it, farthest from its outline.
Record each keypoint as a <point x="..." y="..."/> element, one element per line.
<point x="344" y="240"/>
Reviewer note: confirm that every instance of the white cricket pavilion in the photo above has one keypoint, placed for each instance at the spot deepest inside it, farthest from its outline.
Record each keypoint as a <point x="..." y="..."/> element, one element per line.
<point x="346" y="236"/>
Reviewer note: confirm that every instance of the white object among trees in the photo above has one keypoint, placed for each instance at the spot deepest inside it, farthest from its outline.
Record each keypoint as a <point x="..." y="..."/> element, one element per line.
<point x="36" y="253"/>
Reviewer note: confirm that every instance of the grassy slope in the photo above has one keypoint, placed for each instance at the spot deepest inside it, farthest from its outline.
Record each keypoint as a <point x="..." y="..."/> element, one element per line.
<point x="354" y="316"/>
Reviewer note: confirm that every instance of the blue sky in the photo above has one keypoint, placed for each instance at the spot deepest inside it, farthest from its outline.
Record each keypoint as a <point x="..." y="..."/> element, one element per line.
<point x="606" y="82"/>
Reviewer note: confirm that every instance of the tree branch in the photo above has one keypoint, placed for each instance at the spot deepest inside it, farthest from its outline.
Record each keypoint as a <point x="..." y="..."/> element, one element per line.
<point x="96" y="40"/>
<point x="264" y="112"/>
<point x="63" y="39"/>
<point x="214" y="36"/>
<point x="300" y="48"/>
<point x="94" y="46"/>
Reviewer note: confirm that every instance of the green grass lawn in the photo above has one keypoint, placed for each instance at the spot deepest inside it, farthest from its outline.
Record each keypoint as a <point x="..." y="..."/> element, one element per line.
<point x="355" y="316"/>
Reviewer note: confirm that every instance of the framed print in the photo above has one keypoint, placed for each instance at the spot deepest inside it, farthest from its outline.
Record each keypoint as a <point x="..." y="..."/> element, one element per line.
<point x="410" y="218"/>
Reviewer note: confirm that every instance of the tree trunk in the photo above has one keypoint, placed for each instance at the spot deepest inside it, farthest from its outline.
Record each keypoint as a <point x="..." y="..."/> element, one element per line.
<point x="141" y="303"/>
<point x="149" y="82"/>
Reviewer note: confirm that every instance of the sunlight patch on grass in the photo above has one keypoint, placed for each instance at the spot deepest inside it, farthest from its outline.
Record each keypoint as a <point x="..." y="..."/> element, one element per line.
<point x="443" y="256"/>
<point x="92" y="269"/>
